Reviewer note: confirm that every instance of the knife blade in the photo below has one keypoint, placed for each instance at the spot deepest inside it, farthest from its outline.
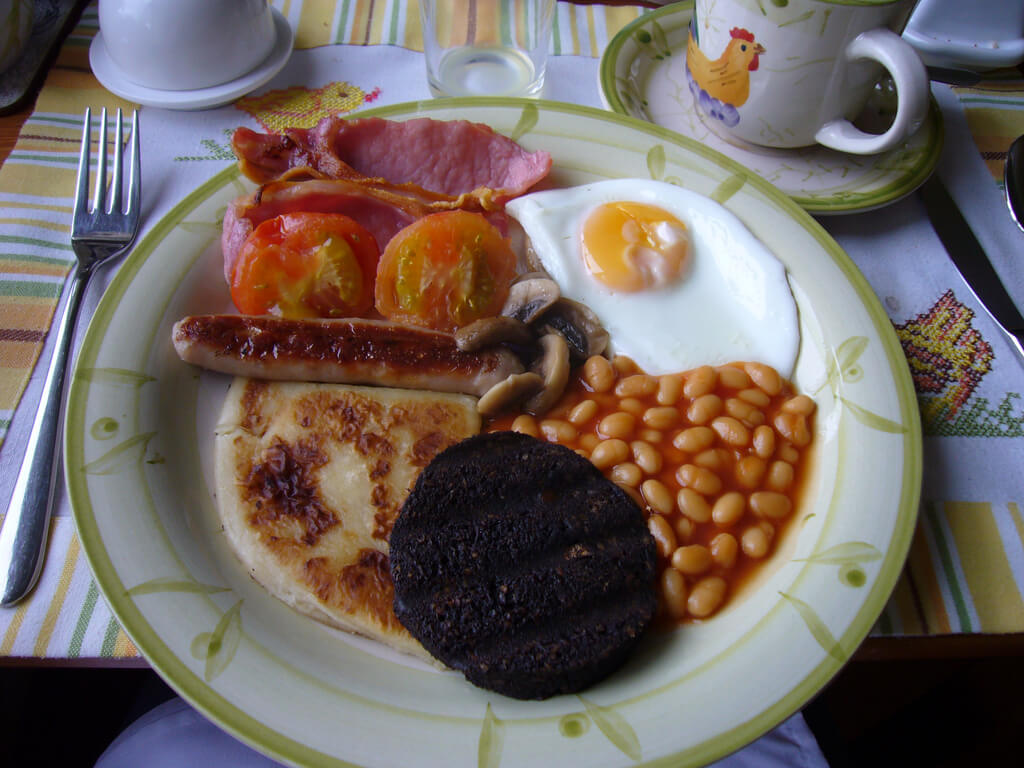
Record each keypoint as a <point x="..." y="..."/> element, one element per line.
<point x="971" y="261"/>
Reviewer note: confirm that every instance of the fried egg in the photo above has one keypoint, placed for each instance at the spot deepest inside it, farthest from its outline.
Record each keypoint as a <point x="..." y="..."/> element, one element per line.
<point x="676" y="279"/>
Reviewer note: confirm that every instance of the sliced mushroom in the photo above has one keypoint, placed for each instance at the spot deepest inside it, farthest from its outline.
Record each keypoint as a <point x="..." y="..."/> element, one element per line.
<point x="553" y="365"/>
<point x="527" y="299"/>
<point x="509" y="392"/>
<point x="489" y="331"/>
<point x="579" y="325"/>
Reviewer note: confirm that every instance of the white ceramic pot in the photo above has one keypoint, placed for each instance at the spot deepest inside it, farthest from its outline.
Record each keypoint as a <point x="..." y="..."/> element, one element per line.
<point x="181" y="45"/>
<point x="15" y="30"/>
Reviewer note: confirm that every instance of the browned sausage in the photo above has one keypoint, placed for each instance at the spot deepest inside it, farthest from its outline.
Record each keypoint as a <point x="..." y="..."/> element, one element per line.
<point x="352" y="351"/>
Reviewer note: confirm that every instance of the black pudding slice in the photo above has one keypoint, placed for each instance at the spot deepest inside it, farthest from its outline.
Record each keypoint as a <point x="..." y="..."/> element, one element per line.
<point x="517" y="562"/>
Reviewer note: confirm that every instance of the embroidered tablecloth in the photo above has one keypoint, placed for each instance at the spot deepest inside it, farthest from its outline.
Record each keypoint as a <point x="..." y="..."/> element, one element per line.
<point x="965" y="573"/>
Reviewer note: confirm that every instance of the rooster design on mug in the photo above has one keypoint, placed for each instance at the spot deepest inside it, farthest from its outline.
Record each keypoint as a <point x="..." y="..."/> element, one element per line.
<point x="721" y="85"/>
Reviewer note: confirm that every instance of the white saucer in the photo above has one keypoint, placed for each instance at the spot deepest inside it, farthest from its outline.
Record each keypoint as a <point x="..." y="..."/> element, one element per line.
<point x="114" y="80"/>
<point x="980" y="35"/>
<point x="642" y="75"/>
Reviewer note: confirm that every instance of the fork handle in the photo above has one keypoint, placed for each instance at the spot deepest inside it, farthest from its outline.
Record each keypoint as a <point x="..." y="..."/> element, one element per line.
<point x="23" y="536"/>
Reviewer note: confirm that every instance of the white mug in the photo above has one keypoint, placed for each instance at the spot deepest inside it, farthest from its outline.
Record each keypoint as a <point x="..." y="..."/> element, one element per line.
<point x="792" y="73"/>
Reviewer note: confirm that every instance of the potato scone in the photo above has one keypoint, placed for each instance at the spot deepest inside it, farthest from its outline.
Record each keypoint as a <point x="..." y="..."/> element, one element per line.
<point x="309" y="481"/>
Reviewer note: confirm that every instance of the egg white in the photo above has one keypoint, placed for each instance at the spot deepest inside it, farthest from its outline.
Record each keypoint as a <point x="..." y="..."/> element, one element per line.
<point x="733" y="304"/>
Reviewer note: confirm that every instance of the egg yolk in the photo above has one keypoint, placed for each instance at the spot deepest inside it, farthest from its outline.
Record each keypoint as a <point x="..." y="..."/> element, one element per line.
<point x="635" y="246"/>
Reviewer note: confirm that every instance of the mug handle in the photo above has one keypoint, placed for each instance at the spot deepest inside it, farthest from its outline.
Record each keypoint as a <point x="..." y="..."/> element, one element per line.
<point x="908" y="73"/>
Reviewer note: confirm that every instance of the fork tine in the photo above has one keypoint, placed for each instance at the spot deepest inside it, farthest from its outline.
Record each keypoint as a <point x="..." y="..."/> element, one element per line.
<point x="82" y="185"/>
<point x="135" y="177"/>
<point x="101" y="164"/>
<point x="114" y="201"/>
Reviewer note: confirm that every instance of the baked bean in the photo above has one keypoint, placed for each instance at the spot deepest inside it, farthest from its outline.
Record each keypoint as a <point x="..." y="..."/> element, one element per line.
<point x="608" y="453"/>
<point x="765" y="377"/>
<point x="754" y="542"/>
<point x="706" y="596"/>
<point x="744" y="411"/>
<point x="662" y="417"/>
<point x="652" y="435"/>
<point x="700" y="479"/>
<point x="715" y="459"/>
<point x="764" y="441"/>
<point x="598" y="373"/>
<point x="788" y="453"/>
<point x="664" y="536"/>
<point x="694" y="439"/>
<point x="732" y="377"/>
<point x="583" y="412"/>
<point x="646" y="457"/>
<point x="527" y="425"/>
<point x="780" y="476"/>
<point x="619" y="424"/>
<point x="729" y="508"/>
<point x="724" y="549"/>
<point x="749" y="472"/>
<point x="626" y="473"/>
<point x="637" y="385"/>
<point x="685" y="528"/>
<point x="624" y="366"/>
<point x="673" y="591"/>
<point x="582" y="452"/>
<point x="693" y="506"/>
<point x="700" y="381"/>
<point x="770" y="504"/>
<point x="670" y="387"/>
<point x="632" y="405"/>
<point x="732" y="431"/>
<point x="793" y="427"/>
<point x="558" y="431"/>
<point x="801" y="405"/>
<point x="755" y="397"/>
<point x="704" y="408"/>
<point x="589" y="441"/>
<point x="692" y="560"/>
<point x="657" y="496"/>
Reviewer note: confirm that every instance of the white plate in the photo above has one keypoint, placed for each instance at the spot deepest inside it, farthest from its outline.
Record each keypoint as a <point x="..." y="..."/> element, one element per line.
<point x="114" y="80"/>
<point x="642" y="74"/>
<point x="140" y="429"/>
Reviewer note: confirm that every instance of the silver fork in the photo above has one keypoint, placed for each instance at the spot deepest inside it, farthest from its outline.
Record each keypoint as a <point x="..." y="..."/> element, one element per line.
<point x="98" y="232"/>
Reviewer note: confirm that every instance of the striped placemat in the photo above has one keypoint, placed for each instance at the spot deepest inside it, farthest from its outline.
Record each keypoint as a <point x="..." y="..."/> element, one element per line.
<point x="966" y="567"/>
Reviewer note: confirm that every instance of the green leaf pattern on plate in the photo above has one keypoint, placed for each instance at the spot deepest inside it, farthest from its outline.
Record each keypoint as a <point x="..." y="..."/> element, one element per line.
<point x="615" y="728"/>
<point x="167" y="584"/>
<point x="218" y="647"/>
<point x="843" y="554"/>
<point x="103" y="428"/>
<point x="574" y="725"/>
<point x="849" y="557"/>
<point x="729" y="187"/>
<point x="843" y="367"/>
<point x="122" y="455"/>
<point x="492" y="739"/>
<point x="819" y="631"/>
<point x="115" y="376"/>
<point x="527" y="122"/>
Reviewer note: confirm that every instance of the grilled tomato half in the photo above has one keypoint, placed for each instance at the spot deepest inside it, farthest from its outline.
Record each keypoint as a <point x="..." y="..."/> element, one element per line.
<point x="445" y="271"/>
<point x="306" y="265"/>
